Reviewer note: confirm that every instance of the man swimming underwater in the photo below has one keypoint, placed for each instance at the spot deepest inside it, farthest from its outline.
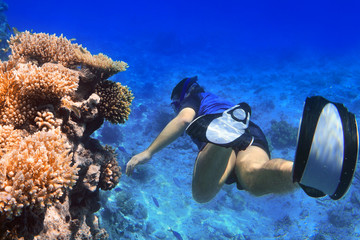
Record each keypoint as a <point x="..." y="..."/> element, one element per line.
<point x="233" y="149"/>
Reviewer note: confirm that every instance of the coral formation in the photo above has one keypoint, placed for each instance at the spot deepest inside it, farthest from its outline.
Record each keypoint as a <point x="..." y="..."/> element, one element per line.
<point x="43" y="48"/>
<point x="25" y="87"/>
<point x="9" y="138"/>
<point x="282" y="134"/>
<point x="35" y="173"/>
<point x="115" y="101"/>
<point x="50" y="168"/>
<point x="111" y="173"/>
<point x="45" y="120"/>
<point x="124" y="215"/>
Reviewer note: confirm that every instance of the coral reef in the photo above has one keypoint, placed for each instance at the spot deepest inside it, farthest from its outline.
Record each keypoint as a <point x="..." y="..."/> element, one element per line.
<point x="125" y="216"/>
<point x="115" y="101"/>
<point x="25" y="88"/>
<point x="51" y="170"/>
<point x="35" y="173"/>
<point x="9" y="138"/>
<point x="282" y="134"/>
<point x="111" y="173"/>
<point x="43" y="48"/>
<point x="45" y="120"/>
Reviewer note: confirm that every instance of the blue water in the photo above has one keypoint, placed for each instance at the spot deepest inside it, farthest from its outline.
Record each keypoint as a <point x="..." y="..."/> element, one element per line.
<point x="271" y="54"/>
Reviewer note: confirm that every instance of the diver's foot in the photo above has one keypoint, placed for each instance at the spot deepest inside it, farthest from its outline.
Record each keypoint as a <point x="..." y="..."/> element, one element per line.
<point x="227" y="129"/>
<point x="327" y="149"/>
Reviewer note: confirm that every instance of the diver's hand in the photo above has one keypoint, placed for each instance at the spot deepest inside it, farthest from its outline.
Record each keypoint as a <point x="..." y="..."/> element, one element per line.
<point x="140" y="158"/>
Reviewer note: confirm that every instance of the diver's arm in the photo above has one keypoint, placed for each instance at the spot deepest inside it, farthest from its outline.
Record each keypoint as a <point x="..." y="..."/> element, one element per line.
<point x="172" y="131"/>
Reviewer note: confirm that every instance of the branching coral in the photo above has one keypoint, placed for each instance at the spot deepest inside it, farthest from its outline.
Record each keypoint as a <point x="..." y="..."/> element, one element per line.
<point x="27" y="86"/>
<point x="43" y="48"/>
<point x="7" y="78"/>
<point x="115" y="101"/>
<point x="15" y="107"/>
<point x="99" y="63"/>
<point x="111" y="173"/>
<point x="9" y="138"/>
<point x="35" y="173"/>
<point x="48" y="81"/>
<point x="45" y="120"/>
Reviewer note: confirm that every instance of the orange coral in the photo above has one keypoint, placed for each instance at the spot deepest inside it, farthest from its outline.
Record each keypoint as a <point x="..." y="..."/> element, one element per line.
<point x="43" y="48"/>
<point x="100" y="63"/>
<point x="35" y="173"/>
<point x="48" y="81"/>
<point x="45" y="120"/>
<point x="115" y="101"/>
<point x="9" y="138"/>
<point x="6" y="79"/>
<point x="26" y="86"/>
<point x="15" y="107"/>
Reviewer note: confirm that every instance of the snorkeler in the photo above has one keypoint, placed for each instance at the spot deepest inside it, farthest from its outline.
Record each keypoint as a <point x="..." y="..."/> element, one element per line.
<point x="233" y="149"/>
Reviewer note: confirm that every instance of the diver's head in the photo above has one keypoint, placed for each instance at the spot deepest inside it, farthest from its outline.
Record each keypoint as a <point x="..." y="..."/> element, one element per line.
<point x="183" y="89"/>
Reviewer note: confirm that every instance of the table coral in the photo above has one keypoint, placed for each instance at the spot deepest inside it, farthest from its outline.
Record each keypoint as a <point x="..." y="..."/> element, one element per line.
<point x="100" y="63"/>
<point x="42" y="48"/>
<point x="49" y="164"/>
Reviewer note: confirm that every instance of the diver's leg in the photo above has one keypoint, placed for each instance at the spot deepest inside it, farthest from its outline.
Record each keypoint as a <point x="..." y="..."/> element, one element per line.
<point x="259" y="175"/>
<point x="213" y="166"/>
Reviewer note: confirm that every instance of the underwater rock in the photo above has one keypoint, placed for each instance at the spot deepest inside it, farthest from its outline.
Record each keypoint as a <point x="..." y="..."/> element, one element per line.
<point x="149" y="228"/>
<point x="339" y="219"/>
<point x="318" y="236"/>
<point x="282" y="134"/>
<point x="140" y="212"/>
<point x="92" y="177"/>
<point x="160" y="235"/>
<point x="355" y="199"/>
<point x="282" y="226"/>
<point x="124" y="216"/>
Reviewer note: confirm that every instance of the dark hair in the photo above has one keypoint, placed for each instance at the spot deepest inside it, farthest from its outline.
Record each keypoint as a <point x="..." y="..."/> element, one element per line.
<point x="179" y="87"/>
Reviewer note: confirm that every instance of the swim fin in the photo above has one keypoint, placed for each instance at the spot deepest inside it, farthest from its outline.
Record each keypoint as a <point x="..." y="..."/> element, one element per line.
<point x="327" y="149"/>
<point x="227" y="129"/>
